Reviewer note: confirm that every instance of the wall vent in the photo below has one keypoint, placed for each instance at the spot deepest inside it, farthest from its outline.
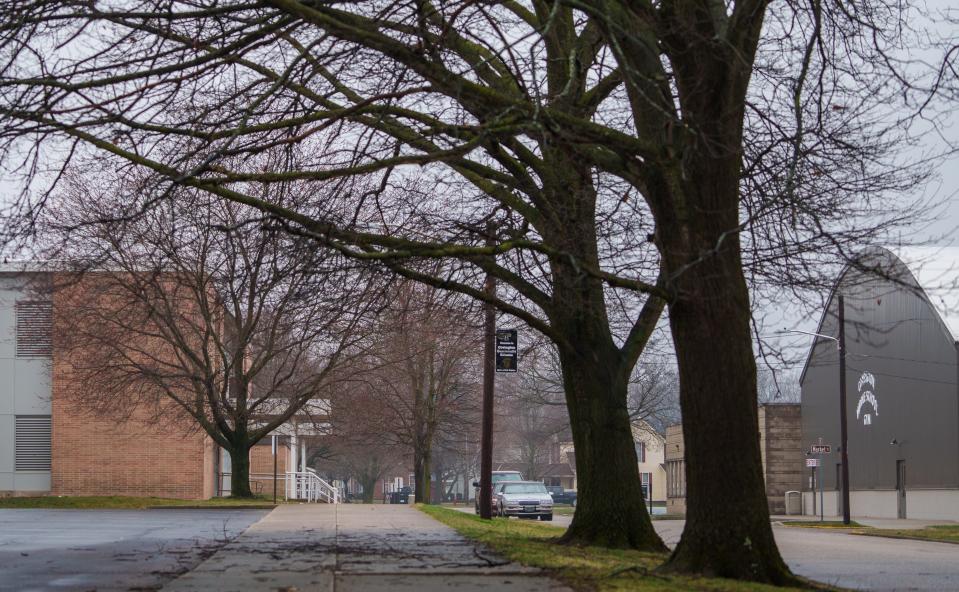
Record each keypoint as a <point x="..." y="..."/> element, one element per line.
<point x="34" y="329"/>
<point x="32" y="437"/>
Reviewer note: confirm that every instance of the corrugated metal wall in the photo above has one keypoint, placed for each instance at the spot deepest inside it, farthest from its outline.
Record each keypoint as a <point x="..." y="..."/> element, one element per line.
<point x="899" y="351"/>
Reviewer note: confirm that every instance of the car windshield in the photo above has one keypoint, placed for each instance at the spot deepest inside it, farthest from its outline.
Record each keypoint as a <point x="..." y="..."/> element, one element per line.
<point x="507" y="477"/>
<point x="524" y="488"/>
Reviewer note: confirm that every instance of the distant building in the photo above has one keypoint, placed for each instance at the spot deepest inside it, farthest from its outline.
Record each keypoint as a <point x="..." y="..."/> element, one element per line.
<point x="50" y="445"/>
<point x="781" y="450"/>
<point x="902" y="364"/>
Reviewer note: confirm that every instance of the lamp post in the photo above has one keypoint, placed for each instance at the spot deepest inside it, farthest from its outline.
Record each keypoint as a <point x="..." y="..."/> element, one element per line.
<point x="843" y="431"/>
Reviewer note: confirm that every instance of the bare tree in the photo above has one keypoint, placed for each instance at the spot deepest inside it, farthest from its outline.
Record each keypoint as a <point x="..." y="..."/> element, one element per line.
<point x="202" y="307"/>
<point x="600" y="158"/>
<point x="422" y="368"/>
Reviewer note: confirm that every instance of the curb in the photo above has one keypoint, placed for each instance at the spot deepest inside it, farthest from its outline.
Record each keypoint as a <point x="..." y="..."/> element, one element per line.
<point x="199" y="507"/>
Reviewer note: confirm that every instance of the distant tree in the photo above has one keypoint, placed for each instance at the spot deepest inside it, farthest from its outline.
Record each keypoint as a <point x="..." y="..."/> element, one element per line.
<point x="426" y="357"/>
<point x="204" y="307"/>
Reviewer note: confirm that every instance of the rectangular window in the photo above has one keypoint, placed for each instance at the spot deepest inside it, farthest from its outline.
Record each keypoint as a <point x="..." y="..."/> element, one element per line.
<point x="34" y="329"/>
<point x="32" y="442"/>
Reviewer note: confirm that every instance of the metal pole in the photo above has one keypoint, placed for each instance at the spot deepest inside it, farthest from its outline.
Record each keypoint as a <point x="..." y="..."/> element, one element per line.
<point x="812" y="485"/>
<point x="822" y="506"/>
<point x="842" y="411"/>
<point x="489" y="376"/>
<point x="274" y="469"/>
<point x="650" y="494"/>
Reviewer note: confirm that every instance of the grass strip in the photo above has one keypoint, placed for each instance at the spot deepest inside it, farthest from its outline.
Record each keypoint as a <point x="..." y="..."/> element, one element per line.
<point x="585" y="569"/>
<point x="823" y="524"/>
<point x="941" y="533"/>
<point x="117" y="502"/>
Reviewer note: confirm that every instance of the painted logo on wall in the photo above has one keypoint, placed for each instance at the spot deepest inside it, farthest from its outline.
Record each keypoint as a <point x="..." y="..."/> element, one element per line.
<point x="868" y="405"/>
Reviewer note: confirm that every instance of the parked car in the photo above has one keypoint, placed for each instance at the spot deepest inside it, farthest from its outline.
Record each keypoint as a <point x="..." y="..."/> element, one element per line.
<point x="402" y="496"/>
<point x="498" y="476"/>
<point x="525" y="499"/>
<point x="562" y="496"/>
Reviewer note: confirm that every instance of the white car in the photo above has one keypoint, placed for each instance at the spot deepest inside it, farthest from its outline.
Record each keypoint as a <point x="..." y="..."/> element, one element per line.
<point x="525" y="499"/>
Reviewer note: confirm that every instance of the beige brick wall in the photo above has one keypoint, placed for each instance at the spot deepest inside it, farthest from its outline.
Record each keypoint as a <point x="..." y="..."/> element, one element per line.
<point x="122" y="453"/>
<point x="261" y="467"/>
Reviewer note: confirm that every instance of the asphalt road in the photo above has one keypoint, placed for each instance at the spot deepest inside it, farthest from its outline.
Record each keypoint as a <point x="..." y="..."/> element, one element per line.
<point x="850" y="561"/>
<point x="110" y="549"/>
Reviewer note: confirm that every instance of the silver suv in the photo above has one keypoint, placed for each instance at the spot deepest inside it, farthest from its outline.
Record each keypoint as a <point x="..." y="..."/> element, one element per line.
<point x="526" y="499"/>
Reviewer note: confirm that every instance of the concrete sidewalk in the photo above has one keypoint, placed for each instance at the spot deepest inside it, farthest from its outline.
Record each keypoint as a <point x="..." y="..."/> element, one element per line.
<point x="352" y="547"/>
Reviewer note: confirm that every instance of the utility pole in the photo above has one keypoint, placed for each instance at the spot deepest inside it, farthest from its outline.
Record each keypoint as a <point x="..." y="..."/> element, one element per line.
<point x="843" y="432"/>
<point x="489" y="376"/>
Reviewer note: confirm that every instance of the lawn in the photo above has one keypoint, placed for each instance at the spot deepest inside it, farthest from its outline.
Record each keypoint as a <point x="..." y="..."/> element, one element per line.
<point x="129" y="503"/>
<point x="944" y="533"/>
<point x="582" y="568"/>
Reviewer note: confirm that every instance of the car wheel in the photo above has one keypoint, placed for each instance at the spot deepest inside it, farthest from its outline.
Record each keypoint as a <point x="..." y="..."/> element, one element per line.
<point x="546" y="517"/>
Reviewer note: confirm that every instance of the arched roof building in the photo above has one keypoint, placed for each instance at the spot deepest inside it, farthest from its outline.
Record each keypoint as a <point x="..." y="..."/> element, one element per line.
<point x="902" y="383"/>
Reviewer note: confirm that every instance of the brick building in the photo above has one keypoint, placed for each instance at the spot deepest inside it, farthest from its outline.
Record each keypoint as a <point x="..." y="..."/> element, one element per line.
<point x="780" y="440"/>
<point x="51" y="444"/>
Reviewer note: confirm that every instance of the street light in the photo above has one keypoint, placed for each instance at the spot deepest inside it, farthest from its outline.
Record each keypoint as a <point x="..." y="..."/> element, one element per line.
<point x="843" y="433"/>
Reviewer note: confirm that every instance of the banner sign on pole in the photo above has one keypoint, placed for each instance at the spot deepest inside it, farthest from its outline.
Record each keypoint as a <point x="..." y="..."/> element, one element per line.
<point x="506" y="350"/>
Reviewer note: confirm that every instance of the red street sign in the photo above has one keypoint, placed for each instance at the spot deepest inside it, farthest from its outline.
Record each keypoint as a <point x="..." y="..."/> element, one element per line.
<point x="820" y="449"/>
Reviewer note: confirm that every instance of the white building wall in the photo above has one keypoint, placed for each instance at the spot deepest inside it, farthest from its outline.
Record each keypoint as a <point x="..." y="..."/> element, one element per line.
<point x="921" y="504"/>
<point x="932" y="504"/>
<point x="25" y="389"/>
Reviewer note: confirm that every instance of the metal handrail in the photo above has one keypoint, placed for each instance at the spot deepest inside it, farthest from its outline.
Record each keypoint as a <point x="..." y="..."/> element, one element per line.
<point x="307" y="485"/>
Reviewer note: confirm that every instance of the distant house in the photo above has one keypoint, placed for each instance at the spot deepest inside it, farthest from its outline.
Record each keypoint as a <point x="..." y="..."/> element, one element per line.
<point x="651" y="456"/>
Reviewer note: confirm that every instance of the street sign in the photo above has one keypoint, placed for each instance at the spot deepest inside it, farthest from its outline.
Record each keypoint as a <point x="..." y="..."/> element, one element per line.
<point x="820" y="449"/>
<point x="506" y="350"/>
<point x="812" y="462"/>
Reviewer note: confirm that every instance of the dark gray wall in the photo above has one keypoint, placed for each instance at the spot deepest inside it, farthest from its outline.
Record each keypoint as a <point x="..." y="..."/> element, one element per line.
<point x="893" y="333"/>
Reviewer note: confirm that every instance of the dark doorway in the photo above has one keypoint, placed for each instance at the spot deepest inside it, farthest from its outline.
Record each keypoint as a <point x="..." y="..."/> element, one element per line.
<point x="901" y="488"/>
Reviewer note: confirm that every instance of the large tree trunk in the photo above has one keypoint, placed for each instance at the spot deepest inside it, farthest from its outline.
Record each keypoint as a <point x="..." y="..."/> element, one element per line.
<point x="240" y="471"/>
<point x="727" y="531"/>
<point x="610" y="511"/>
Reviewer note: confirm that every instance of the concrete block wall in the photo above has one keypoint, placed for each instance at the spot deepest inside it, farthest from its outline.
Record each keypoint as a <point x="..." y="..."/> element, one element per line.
<point x="780" y="438"/>
<point x="674" y="455"/>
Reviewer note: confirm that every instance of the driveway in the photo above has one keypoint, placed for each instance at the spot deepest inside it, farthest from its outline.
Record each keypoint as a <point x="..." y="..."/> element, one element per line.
<point x="110" y="549"/>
